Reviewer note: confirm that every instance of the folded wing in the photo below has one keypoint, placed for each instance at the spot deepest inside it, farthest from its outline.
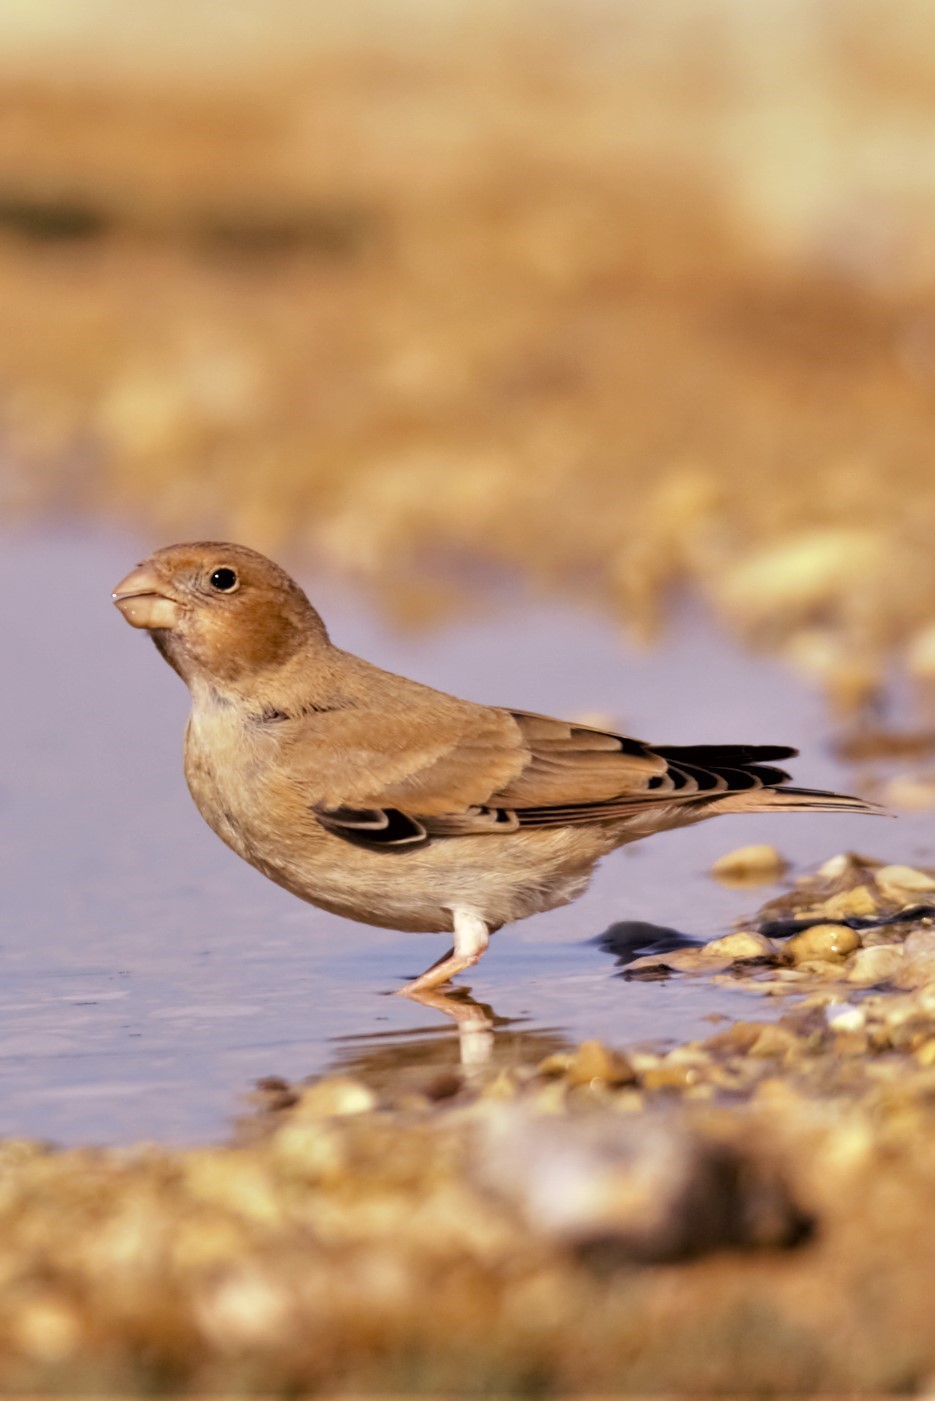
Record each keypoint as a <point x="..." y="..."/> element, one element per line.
<point x="496" y="771"/>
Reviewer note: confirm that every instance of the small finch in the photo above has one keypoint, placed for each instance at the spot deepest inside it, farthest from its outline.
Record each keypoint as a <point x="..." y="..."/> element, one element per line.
<point x="391" y="803"/>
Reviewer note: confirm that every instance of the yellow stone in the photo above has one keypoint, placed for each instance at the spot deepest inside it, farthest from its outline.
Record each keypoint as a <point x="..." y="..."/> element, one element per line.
<point x="858" y="901"/>
<point x="593" y="1061"/>
<point x="335" y="1096"/>
<point x="743" y="944"/>
<point x="823" y="941"/>
<point x="754" y="865"/>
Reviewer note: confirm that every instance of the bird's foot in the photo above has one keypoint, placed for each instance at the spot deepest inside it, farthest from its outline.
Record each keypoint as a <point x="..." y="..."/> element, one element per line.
<point x="471" y="939"/>
<point x="441" y="972"/>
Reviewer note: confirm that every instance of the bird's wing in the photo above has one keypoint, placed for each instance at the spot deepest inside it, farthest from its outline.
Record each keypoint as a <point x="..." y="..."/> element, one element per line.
<point x="455" y="769"/>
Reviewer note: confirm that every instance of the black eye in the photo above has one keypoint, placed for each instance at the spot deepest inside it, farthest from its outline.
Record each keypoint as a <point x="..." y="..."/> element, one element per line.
<point x="224" y="580"/>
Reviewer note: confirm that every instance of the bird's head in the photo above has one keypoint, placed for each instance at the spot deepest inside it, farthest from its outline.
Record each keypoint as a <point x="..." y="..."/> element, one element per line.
<point x="219" y="611"/>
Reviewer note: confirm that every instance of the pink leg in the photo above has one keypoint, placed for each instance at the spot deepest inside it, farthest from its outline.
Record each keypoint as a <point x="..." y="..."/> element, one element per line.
<point x="471" y="939"/>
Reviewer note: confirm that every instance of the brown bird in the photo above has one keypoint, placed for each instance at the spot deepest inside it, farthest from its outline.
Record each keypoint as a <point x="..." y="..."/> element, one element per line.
<point x="388" y="802"/>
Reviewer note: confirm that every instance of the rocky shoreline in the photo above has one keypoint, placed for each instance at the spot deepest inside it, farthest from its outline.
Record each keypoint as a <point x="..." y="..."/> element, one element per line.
<point x="748" y="1212"/>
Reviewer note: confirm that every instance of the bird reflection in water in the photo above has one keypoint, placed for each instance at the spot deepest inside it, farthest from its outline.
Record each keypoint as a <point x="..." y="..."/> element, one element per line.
<point x="425" y="1059"/>
<point x="485" y="1043"/>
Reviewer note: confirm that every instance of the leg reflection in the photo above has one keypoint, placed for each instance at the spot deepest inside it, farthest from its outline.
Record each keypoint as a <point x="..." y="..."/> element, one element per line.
<point x="475" y="1022"/>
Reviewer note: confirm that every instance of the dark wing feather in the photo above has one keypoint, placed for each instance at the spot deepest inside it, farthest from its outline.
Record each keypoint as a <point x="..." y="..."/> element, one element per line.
<point x="382" y="828"/>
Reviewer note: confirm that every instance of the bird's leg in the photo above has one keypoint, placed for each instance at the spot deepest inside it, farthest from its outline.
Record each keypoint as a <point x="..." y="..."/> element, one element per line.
<point x="471" y="938"/>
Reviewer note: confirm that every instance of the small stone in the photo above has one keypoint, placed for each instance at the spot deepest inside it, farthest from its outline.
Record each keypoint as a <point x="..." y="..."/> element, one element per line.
<point x="895" y="881"/>
<point x="858" y="901"/>
<point x="845" y="863"/>
<point x="671" y="1077"/>
<point x="593" y="1062"/>
<point x="654" y="967"/>
<point x="921" y="942"/>
<point x="650" y="968"/>
<point x="311" y="1152"/>
<point x="876" y="965"/>
<point x="749" y="865"/>
<point x="554" y="1066"/>
<point x="919" y="959"/>
<point x="820" y="967"/>
<point x="823" y="941"/>
<point x="736" y="1038"/>
<point x="774" y="1041"/>
<point x="743" y="944"/>
<point x="846" y="1018"/>
<point x="334" y="1096"/>
<point x="911" y="790"/>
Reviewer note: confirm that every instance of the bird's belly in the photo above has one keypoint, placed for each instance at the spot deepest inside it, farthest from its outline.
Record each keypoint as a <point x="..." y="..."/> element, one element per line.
<point x="501" y="877"/>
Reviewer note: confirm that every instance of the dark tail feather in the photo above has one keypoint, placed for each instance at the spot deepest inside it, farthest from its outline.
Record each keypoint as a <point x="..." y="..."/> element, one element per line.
<point x="713" y="756"/>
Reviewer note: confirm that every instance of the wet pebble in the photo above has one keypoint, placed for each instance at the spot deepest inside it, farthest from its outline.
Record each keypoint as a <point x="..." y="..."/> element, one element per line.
<point x="828" y="942"/>
<point x="743" y="944"/>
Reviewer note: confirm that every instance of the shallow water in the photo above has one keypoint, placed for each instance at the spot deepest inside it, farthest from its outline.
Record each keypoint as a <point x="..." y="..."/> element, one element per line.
<point x="149" y="977"/>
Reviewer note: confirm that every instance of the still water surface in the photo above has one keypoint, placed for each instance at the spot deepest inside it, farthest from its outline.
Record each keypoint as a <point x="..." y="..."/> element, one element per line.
<point x="148" y="977"/>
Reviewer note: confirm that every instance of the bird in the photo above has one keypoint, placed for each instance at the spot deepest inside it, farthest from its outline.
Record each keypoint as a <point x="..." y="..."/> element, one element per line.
<point x="386" y="801"/>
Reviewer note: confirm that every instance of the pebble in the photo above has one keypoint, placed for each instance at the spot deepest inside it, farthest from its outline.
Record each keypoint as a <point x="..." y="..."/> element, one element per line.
<point x="846" y="1018"/>
<point x="337" y="1095"/>
<point x="823" y="941"/>
<point x="749" y="865"/>
<point x="857" y="901"/>
<point x="845" y="863"/>
<point x="919" y="959"/>
<point x="895" y="881"/>
<point x="593" y="1062"/>
<point x="671" y="1077"/>
<point x="876" y="965"/>
<point x="774" y="1041"/>
<point x="914" y="791"/>
<point x="743" y="944"/>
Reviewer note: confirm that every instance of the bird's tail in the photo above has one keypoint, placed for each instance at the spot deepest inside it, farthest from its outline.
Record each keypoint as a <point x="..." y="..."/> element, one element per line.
<point x="785" y="799"/>
<point x="744" y="778"/>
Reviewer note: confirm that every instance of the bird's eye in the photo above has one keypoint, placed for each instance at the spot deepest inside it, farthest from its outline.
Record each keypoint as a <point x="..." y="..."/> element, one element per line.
<point x="224" y="580"/>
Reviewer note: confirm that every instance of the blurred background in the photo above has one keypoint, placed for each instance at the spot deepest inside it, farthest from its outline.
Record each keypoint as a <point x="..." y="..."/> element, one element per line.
<point x="629" y="302"/>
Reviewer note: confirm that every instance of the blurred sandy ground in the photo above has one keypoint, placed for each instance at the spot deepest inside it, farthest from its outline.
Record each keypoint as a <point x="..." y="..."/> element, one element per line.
<point x="628" y="298"/>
